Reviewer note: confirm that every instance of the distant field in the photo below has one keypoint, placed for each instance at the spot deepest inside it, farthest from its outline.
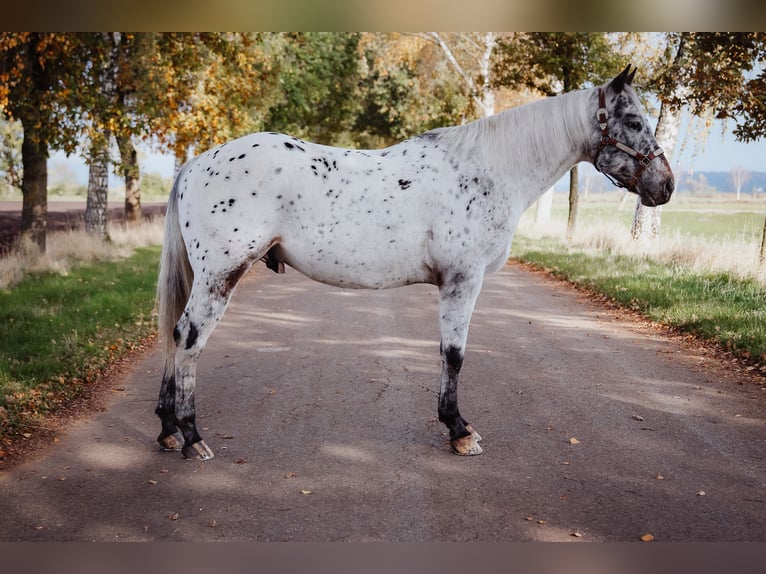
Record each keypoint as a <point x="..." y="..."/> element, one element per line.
<point x="718" y="217"/>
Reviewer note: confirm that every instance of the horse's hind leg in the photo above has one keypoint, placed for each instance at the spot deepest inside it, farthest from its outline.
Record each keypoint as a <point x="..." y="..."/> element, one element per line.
<point x="457" y="299"/>
<point x="205" y="308"/>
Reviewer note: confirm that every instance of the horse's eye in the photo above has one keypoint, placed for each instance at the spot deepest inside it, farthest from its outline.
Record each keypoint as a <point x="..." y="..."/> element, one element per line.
<point x="634" y="125"/>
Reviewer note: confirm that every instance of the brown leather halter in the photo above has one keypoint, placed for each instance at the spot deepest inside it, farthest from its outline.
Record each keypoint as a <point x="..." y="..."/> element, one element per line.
<point x="606" y="140"/>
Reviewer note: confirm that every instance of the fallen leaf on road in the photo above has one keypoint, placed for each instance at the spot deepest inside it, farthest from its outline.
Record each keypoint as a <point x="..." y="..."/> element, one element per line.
<point x="577" y="534"/>
<point x="701" y="493"/>
<point x="638" y="418"/>
<point x="659" y="477"/>
<point x="529" y="518"/>
<point x="306" y="492"/>
<point x="174" y="516"/>
<point x="241" y="461"/>
<point x="152" y="481"/>
<point x="290" y="475"/>
<point x="573" y="440"/>
<point x="647" y="537"/>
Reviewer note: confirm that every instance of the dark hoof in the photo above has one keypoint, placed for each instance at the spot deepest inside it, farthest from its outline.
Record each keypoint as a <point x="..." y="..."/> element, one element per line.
<point x="173" y="442"/>
<point x="197" y="451"/>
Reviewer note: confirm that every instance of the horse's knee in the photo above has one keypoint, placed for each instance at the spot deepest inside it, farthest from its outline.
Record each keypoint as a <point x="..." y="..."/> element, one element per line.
<point x="453" y="359"/>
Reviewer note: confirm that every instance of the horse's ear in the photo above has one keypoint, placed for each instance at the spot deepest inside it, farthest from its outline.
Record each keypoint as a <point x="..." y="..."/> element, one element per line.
<point x="625" y="78"/>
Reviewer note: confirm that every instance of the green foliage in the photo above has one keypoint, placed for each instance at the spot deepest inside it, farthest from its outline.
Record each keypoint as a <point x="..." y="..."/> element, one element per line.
<point x="719" y="71"/>
<point x="57" y="333"/>
<point x="556" y="62"/>
<point x="319" y="84"/>
<point x="713" y="306"/>
<point x="154" y="185"/>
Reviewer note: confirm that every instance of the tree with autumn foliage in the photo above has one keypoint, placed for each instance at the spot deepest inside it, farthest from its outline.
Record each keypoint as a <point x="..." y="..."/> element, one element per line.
<point x="555" y="63"/>
<point x="36" y="70"/>
<point x="718" y="73"/>
<point x="204" y="89"/>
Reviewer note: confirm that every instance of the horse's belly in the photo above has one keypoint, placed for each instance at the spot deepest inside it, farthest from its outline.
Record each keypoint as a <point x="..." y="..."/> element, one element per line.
<point x="355" y="267"/>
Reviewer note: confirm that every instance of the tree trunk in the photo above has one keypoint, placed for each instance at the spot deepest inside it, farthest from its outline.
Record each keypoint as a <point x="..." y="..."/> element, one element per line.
<point x="647" y="220"/>
<point x="98" y="190"/>
<point x="178" y="162"/>
<point x="762" y="254"/>
<point x="132" y="175"/>
<point x="543" y="210"/>
<point x="574" y="201"/>
<point x="34" y="189"/>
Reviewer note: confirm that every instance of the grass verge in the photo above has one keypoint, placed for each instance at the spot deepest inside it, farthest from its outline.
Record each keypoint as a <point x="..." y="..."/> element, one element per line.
<point x="58" y="333"/>
<point x="715" y="306"/>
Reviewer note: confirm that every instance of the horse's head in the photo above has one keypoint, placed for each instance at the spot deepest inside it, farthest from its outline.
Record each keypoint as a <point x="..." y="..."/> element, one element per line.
<point x="623" y="146"/>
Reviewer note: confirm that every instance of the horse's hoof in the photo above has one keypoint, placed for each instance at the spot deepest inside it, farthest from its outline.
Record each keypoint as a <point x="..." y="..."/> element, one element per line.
<point x="466" y="446"/>
<point x="476" y="436"/>
<point x="197" y="451"/>
<point x="172" y="442"/>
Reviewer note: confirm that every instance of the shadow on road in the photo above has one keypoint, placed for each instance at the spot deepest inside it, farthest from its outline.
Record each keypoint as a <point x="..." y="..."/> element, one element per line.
<point x="320" y="405"/>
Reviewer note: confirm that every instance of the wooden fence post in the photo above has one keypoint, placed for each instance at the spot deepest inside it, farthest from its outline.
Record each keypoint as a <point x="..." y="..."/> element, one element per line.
<point x="763" y="244"/>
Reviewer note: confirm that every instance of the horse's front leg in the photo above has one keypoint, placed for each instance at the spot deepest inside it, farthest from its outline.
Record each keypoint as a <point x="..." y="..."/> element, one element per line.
<point x="457" y="299"/>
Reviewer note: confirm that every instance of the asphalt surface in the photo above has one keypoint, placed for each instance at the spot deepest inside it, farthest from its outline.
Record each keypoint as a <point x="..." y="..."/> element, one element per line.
<point x="320" y="405"/>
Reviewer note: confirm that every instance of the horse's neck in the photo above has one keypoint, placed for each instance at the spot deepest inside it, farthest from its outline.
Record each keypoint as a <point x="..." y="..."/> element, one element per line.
<point x="536" y="144"/>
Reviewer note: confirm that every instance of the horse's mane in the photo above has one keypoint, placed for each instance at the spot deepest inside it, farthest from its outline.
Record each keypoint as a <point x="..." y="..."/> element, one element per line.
<point x="525" y="135"/>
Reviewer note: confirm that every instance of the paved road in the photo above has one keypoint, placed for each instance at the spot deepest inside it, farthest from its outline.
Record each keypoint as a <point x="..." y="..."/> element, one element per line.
<point x="321" y="407"/>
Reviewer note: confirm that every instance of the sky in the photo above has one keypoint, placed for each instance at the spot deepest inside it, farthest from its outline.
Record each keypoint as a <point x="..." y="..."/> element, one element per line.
<point x="720" y="152"/>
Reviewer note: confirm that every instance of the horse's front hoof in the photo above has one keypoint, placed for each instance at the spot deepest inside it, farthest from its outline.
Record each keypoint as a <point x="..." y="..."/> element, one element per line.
<point x="172" y="442"/>
<point x="471" y="430"/>
<point x="466" y="446"/>
<point x="197" y="451"/>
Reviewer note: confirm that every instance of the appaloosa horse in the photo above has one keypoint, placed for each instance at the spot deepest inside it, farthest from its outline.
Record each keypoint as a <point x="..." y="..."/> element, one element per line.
<point x="439" y="208"/>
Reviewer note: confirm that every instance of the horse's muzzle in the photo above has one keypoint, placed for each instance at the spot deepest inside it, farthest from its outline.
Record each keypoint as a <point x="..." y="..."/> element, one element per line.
<point x="661" y="196"/>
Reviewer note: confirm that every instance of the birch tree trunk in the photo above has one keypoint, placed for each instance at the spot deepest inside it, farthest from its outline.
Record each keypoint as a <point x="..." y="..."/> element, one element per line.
<point x="98" y="190"/>
<point x="647" y="220"/>
<point x="481" y="94"/>
<point x="543" y="209"/>
<point x="98" y="172"/>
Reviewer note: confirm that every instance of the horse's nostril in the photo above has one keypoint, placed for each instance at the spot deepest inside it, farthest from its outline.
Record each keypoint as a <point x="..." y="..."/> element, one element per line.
<point x="670" y="185"/>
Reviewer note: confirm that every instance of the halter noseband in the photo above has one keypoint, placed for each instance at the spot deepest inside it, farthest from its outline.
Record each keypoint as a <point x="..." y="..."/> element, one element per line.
<point x="606" y="140"/>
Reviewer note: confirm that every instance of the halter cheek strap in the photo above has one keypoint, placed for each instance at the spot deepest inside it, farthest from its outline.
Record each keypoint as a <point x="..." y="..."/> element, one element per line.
<point x="606" y="140"/>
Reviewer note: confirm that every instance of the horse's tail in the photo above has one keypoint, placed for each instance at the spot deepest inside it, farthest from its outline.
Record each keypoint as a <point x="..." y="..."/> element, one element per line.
<point x="175" y="279"/>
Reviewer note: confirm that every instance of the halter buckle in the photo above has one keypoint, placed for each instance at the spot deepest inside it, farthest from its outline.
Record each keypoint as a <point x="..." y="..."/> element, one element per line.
<point x="602" y="116"/>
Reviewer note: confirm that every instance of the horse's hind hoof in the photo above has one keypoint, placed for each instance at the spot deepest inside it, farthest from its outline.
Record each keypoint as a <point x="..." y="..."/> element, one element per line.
<point x="197" y="451"/>
<point x="172" y="442"/>
<point x="471" y="430"/>
<point x="466" y="446"/>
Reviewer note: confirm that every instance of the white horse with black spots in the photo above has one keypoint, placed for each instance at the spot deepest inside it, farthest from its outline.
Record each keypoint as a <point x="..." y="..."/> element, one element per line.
<point x="440" y="208"/>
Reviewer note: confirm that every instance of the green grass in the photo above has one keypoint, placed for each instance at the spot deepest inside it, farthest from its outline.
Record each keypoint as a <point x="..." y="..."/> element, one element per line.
<point x="713" y="306"/>
<point x="57" y="333"/>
